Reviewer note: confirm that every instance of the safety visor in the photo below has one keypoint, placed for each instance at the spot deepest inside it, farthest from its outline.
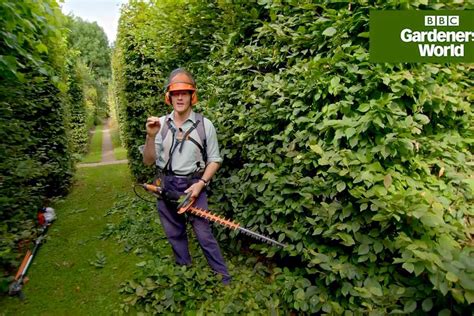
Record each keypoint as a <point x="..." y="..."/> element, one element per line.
<point x="175" y="86"/>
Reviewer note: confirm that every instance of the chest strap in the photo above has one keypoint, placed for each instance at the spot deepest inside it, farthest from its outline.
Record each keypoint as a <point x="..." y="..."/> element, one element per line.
<point x="198" y="125"/>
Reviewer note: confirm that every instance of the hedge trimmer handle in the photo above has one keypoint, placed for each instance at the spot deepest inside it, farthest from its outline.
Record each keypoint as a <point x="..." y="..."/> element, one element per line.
<point x="186" y="203"/>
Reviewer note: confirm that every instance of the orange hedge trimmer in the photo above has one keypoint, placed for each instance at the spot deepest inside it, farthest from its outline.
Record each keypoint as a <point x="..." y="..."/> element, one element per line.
<point x="187" y="203"/>
<point x="45" y="217"/>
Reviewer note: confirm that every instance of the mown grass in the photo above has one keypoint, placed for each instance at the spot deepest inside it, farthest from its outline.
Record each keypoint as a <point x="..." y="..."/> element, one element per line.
<point x="120" y="152"/>
<point x="95" y="149"/>
<point x="63" y="279"/>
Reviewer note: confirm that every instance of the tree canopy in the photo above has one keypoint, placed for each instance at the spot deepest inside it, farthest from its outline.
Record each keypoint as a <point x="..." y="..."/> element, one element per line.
<point x="90" y="39"/>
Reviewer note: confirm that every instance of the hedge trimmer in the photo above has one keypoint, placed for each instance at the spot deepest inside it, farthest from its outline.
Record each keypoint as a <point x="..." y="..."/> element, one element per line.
<point x="45" y="217"/>
<point x="186" y="205"/>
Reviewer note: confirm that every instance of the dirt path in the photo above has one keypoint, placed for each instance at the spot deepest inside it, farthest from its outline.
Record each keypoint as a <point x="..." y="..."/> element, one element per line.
<point x="108" y="157"/>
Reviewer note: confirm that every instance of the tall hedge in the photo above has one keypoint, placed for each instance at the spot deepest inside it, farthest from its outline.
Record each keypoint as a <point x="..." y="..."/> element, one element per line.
<point x="362" y="168"/>
<point x="148" y="47"/>
<point x="89" y="40"/>
<point x="78" y="111"/>
<point x="35" y="161"/>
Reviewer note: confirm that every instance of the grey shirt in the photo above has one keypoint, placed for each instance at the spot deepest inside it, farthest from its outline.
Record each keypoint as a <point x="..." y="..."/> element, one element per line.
<point x="190" y="157"/>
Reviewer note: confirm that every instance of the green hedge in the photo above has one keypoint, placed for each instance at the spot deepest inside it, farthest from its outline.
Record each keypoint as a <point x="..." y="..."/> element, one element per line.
<point x="362" y="168"/>
<point x="143" y="58"/>
<point x="90" y="41"/>
<point x="79" y="127"/>
<point x="35" y="160"/>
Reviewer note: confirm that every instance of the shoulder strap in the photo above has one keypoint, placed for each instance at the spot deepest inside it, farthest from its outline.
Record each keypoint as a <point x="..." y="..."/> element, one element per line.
<point x="201" y="130"/>
<point x="163" y="133"/>
<point x="202" y="135"/>
<point x="166" y="126"/>
<point x="198" y="125"/>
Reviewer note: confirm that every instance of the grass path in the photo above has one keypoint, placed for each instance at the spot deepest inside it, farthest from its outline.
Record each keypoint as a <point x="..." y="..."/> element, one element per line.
<point x="62" y="278"/>
<point x="120" y="152"/>
<point x="105" y="147"/>
<point x="95" y="147"/>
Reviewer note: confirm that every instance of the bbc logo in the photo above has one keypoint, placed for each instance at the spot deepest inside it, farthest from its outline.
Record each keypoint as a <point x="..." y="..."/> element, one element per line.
<point x="442" y="20"/>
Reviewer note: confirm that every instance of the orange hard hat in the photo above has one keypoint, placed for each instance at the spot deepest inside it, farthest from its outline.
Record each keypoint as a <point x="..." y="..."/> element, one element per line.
<point x="181" y="79"/>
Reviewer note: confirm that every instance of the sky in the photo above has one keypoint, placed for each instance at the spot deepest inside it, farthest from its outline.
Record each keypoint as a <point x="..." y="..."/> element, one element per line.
<point x="105" y="12"/>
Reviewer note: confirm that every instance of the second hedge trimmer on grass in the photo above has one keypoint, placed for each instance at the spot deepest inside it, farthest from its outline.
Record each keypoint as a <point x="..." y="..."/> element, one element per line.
<point x="186" y="205"/>
<point x="45" y="217"/>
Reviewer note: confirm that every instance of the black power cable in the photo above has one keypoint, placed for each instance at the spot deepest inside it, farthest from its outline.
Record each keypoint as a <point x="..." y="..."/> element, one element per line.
<point x="142" y="198"/>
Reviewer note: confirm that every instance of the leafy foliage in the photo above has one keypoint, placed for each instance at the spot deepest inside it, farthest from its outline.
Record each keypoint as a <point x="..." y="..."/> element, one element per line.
<point x="143" y="58"/>
<point x="362" y="168"/>
<point x="79" y="122"/>
<point x="35" y="161"/>
<point x="163" y="287"/>
<point x="90" y="41"/>
<point x="99" y="261"/>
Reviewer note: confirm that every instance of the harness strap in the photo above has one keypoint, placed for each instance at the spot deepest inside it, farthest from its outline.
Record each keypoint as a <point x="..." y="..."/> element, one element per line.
<point x="174" y="142"/>
<point x="185" y="136"/>
<point x="202" y="135"/>
<point x="165" y="127"/>
<point x="195" y="142"/>
<point x="174" y="145"/>
<point x="200" y="129"/>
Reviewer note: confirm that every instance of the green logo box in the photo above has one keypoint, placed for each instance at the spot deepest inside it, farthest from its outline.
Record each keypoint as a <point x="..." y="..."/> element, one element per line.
<point x="422" y="36"/>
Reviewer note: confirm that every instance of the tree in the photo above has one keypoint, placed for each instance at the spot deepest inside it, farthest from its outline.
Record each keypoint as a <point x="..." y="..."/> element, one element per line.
<point x="90" y="39"/>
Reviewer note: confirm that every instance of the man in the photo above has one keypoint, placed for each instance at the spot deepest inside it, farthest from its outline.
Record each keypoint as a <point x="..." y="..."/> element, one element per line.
<point x="186" y="163"/>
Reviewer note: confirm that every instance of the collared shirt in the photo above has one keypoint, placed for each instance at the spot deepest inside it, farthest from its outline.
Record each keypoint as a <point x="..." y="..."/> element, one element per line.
<point x="190" y="158"/>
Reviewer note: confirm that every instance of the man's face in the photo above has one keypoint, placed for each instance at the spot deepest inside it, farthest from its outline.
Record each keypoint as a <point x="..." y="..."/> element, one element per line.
<point x="181" y="100"/>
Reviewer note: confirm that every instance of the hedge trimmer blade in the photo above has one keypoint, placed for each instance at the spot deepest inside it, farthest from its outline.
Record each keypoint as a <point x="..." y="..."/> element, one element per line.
<point x="186" y="206"/>
<point x="260" y="237"/>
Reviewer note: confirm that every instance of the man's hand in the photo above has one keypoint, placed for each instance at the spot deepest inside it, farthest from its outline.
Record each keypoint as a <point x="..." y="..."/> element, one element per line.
<point x="152" y="126"/>
<point x="196" y="188"/>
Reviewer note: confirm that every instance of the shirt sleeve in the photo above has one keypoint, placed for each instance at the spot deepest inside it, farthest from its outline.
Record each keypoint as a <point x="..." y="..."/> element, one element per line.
<point x="160" y="156"/>
<point x="213" y="154"/>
